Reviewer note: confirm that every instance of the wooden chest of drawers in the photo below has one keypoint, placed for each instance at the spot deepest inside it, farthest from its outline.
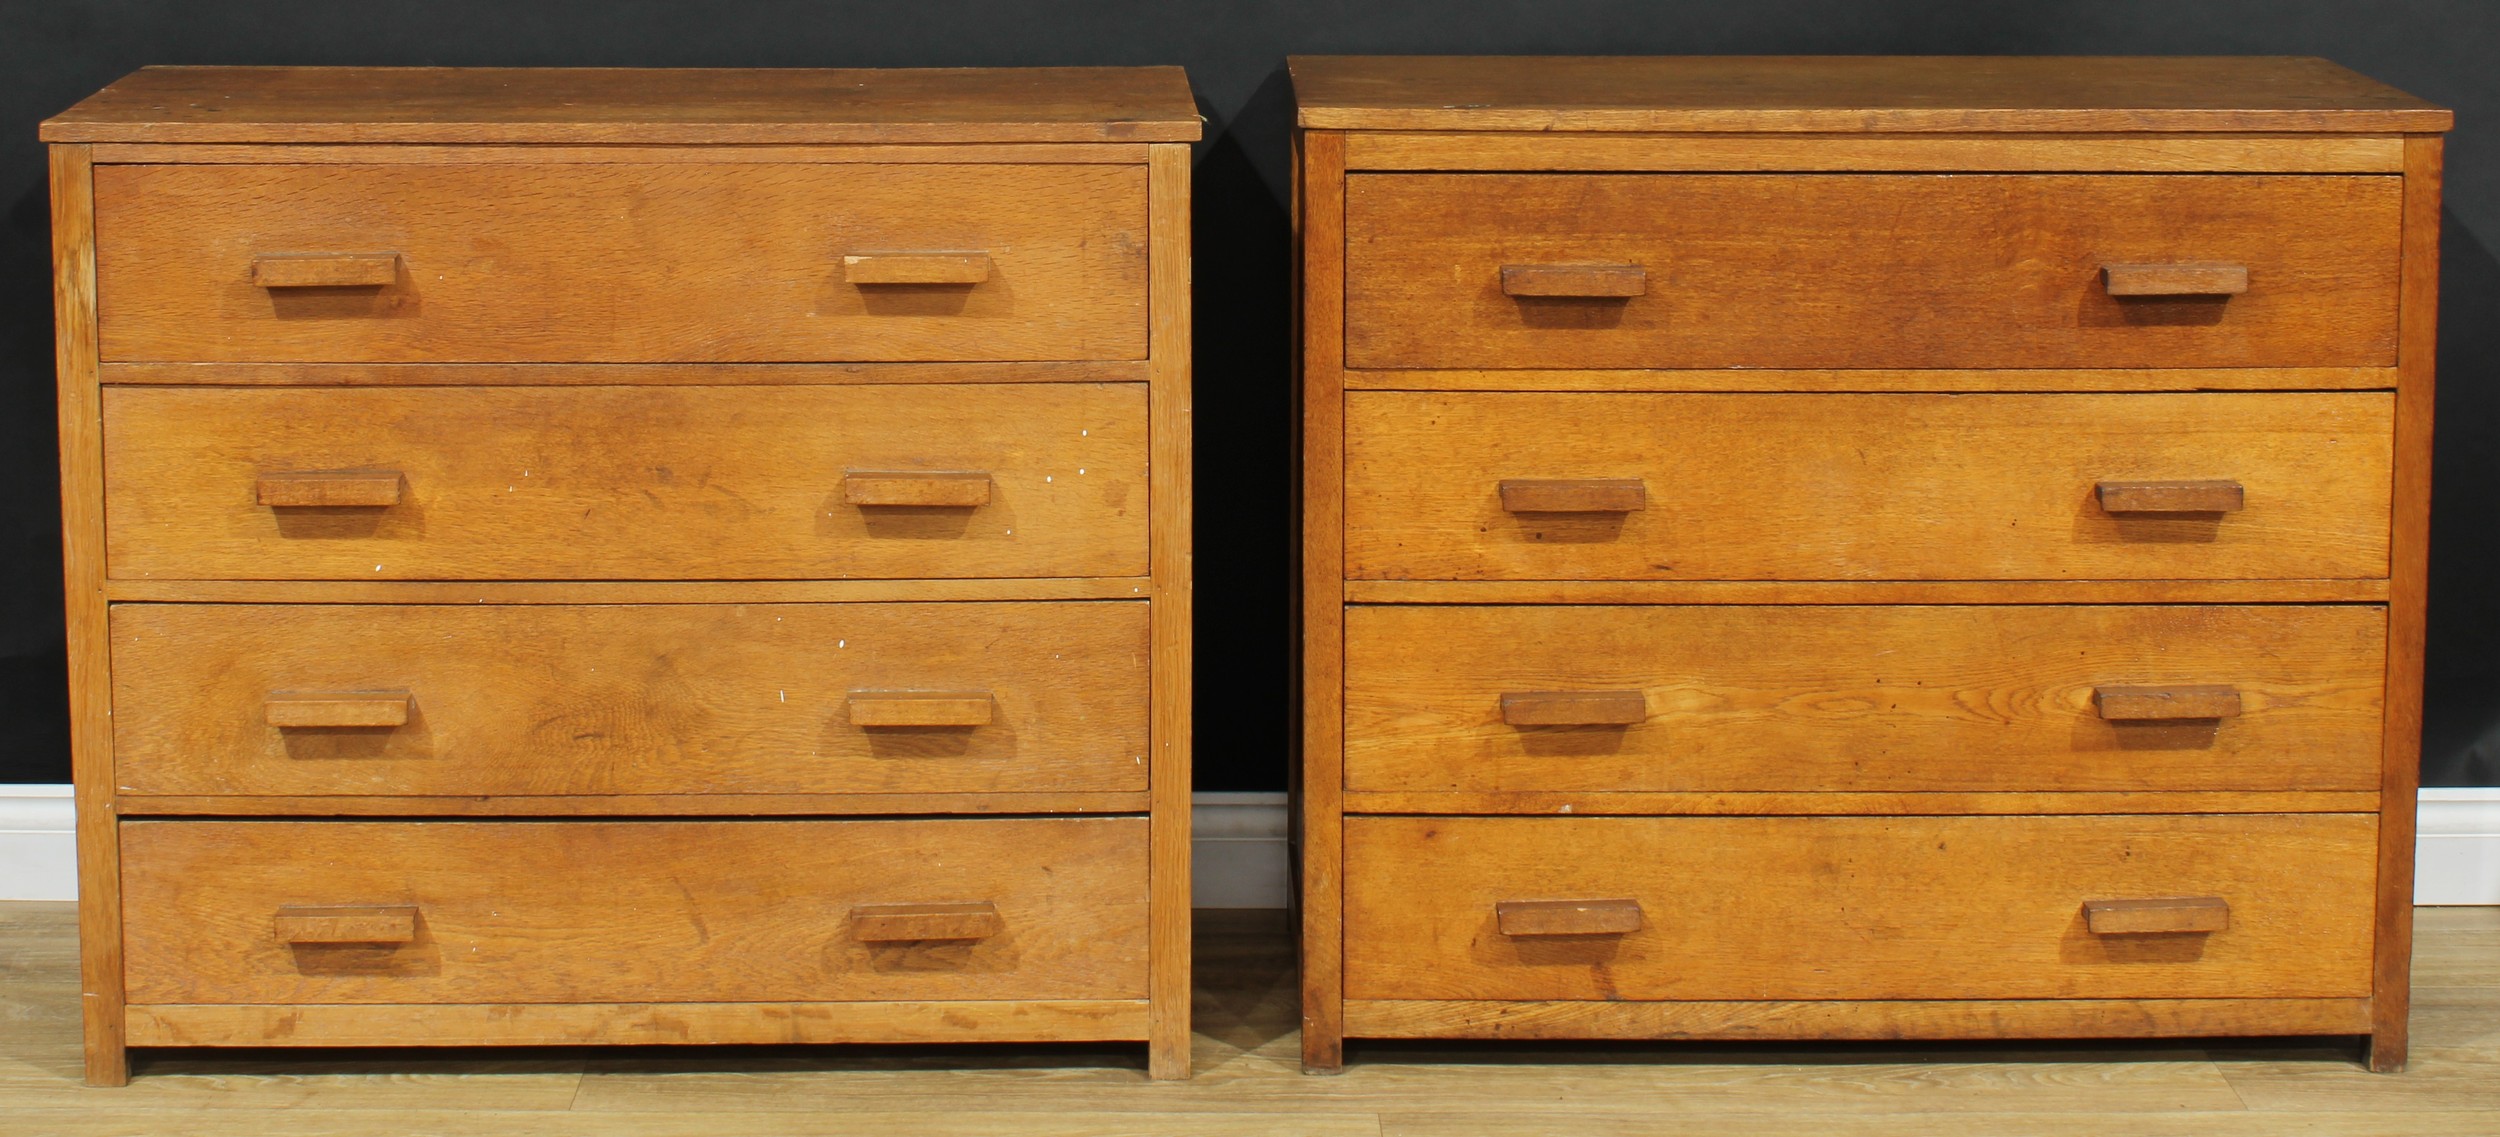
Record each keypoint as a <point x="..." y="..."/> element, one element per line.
<point x="1861" y="548"/>
<point x="620" y="557"/>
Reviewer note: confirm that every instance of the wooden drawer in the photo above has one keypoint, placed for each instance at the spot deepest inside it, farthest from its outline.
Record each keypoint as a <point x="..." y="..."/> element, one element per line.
<point x="621" y="262"/>
<point x="422" y="700"/>
<point x="1866" y="271"/>
<point x="633" y="912"/>
<point x="1863" y="487"/>
<point x="1591" y="699"/>
<point x="1854" y="908"/>
<point x="621" y="483"/>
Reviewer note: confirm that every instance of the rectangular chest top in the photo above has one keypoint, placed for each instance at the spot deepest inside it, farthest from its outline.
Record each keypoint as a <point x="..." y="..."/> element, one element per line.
<point x="683" y="106"/>
<point x="1914" y="94"/>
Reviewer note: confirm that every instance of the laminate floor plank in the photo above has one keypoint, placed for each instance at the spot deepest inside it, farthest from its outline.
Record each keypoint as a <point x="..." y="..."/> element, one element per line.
<point x="1250" y="1080"/>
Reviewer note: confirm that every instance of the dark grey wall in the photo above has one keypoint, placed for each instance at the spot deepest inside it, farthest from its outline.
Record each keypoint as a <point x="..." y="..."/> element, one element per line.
<point x="52" y="52"/>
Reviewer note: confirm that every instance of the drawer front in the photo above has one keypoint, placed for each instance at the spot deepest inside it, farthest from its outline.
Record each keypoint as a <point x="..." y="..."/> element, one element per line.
<point x="1855" y="907"/>
<point x="1864" y="487"/>
<point x="1857" y="270"/>
<point x="626" y="483"/>
<point x="1591" y="699"/>
<point x="620" y="262"/>
<point x="632" y="912"/>
<point x="425" y="700"/>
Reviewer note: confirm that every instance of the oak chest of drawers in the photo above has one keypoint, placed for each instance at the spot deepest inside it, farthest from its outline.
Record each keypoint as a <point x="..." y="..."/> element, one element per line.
<point x="1860" y="548"/>
<point x="628" y="556"/>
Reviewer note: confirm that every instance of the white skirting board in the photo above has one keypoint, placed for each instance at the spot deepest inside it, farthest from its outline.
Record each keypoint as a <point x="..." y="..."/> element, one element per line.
<point x="1241" y="853"/>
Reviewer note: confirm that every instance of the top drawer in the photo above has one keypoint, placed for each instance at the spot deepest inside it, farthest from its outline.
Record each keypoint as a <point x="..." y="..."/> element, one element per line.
<point x="1874" y="271"/>
<point x="622" y="262"/>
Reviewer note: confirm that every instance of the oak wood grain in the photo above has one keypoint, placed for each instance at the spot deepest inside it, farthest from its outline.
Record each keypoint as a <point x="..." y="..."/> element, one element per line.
<point x="1772" y="379"/>
<point x="2193" y="278"/>
<point x="703" y="805"/>
<point x="1172" y="559"/>
<point x="548" y="700"/>
<point x="2287" y="591"/>
<point x="703" y="483"/>
<point x="1869" y="270"/>
<point x="1319" y="849"/>
<point x="1882" y="153"/>
<point x="1873" y="487"/>
<point x="2168" y="915"/>
<point x="607" y="262"/>
<point x="1859" y="908"/>
<point x="1859" y="699"/>
<point x="85" y="614"/>
<point x="955" y="920"/>
<point x="2408" y="599"/>
<point x="325" y="270"/>
<point x="334" y="709"/>
<point x="630" y="374"/>
<point x="2183" y="496"/>
<point x="921" y="708"/>
<point x="1567" y="917"/>
<point x="644" y="106"/>
<point x="1816" y="803"/>
<point x="570" y="911"/>
<point x="346" y="924"/>
<point x="2176" y="702"/>
<point x="1848" y="93"/>
<point x="638" y="1024"/>
<point x="1838" y="1020"/>
<point x="356" y="489"/>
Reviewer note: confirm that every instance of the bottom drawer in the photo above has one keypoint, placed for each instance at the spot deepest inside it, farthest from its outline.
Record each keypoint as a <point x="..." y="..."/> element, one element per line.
<point x="633" y="911"/>
<point x="1739" y="908"/>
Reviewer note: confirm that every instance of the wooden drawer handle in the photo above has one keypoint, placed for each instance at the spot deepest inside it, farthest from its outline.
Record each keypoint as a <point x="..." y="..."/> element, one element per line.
<point x="325" y="270"/>
<point x="1574" y="708"/>
<point x="343" y="709"/>
<point x="883" y="923"/>
<point x="921" y="708"/>
<point x="2171" y="497"/>
<point x="348" y="924"/>
<point x="958" y="489"/>
<point x="2198" y="279"/>
<point x="916" y="268"/>
<point x="1574" y="495"/>
<point x="1595" y="282"/>
<point x="2157" y="704"/>
<point x="368" y="489"/>
<point x="1567" y="917"/>
<point x="2156" y="916"/>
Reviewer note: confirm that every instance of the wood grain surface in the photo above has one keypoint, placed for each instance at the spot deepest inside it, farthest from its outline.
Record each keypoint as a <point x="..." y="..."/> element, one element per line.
<point x="610" y="262"/>
<point x="1859" y="908"/>
<point x="621" y="483"/>
<point x="1619" y="152"/>
<point x="1847" y="93"/>
<point x="647" y="106"/>
<point x="667" y="699"/>
<point x="634" y="911"/>
<point x="1874" y="487"/>
<point x="1844" y="699"/>
<point x="1868" y="270"/>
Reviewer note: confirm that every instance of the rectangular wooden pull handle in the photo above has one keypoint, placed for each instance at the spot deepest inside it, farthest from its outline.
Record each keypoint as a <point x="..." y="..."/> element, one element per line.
<point x="1567" y="917"/>
<point x="2171" y="497"/>
<point x="331" y="489"/>
<point x="922" y="708"/>
<point x="880" y="923"/>
<point x="325" y="270"/>
<point x="916" y="268"/>
<point x="1589" y="281"/>
<point x="949" y="488"/>
<point x="1574" y="708"/>
<point x="2193" y="279"/>
<point x="1574" y="495"/>
<point x="347" y="924"/>
<point x="341" y="709"/>
<point x="2157" y="915"/>
<point x="2155" y="704"/>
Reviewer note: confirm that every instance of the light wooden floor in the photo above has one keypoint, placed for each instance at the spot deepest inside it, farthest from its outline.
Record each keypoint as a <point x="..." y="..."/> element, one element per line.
<point x="1249" y="1080"/>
